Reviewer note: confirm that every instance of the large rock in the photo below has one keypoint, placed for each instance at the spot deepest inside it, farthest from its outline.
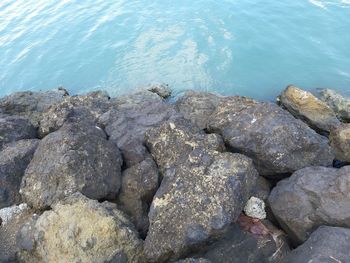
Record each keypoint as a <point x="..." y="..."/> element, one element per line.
<point x="325" y="245"/>
<point x="77" y="157"/>
<point x="15" y="128"/>
<point x="276" y="141"/>
<point x="80" y="230"/>
<point x="340" y="142"/>
<point x="193" y="260"/>
<point x="305" y="106"/>
<point x="203" y="191"/>
<point x="31" y="104"/>
<point x="312" y="197"/>
<point x="339" y="104"/>
<point x="162" y="90"/>
<point x="14" y="159"/>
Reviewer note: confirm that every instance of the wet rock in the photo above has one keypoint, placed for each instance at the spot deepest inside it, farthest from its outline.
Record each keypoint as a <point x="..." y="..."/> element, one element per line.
<point x="198" y="106"/>
<point x="162" y="90"/>
<point x="14" y="128"/>
<point x="305" y="106"/>
<point x="77" y="157"/>
<point x="14" y="159"/>
<point x="31" y="104"/>
<point x="139" y="184"/>
<point x="255" y="208"/>
<point x="80" y="230"/>
<point x="339" y="103"/>
<point x="326" y="244"/>
<point x="340" y="142"/>
<point x="276" y="141"/>
<point x="312" y="197"/>
<point x="202" y="191"/>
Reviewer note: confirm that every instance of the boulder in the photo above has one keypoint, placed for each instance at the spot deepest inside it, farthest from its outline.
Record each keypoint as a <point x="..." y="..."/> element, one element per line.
<point x="139" y="184"/>
<point x="193" y="260"/>
<point x="326" y="244"/>
<point x="276" y="141"/>
<point x="305" y="106"/>
<point x="312" y="197"/>
<point x="78" y="229"/>
<point x="14" y="159"/>
<point x="339" y="103"/>
<point x="31" y="104"/>
<point x="203" y="191"/>
<point x="162" y="90"/>
<point x="340" y="142"/>
<point x="77" y="157"/>
<point x="15" y="128"/>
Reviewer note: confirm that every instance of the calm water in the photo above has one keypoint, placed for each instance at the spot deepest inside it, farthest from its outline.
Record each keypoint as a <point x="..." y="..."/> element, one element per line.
<point x="245" y="47"/>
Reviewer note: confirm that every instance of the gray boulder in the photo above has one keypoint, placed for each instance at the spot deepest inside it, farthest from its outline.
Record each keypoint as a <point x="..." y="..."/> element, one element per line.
<point x="340" y="142"/>
<point x="325" y="245"/>
<point x="77" y="157"/>
<point x="276" y="141"/>
<point x="193" y="260"/>
<point x="312" y="197"/>
<point x="14" y="159"/>
<point x="339" y="103"/>
<point x="162" y="90"/>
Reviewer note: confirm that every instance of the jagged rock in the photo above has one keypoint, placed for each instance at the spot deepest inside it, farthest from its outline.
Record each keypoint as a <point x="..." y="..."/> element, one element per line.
<point x="80" y="230"/>
<point x="276" y="141"/>
<point x="198" y="106"/>
<point x="312" y="197"/>
<point x="193" y="260"/>
<point x="77" y="157"/>
<point x="305" y="106"/>
<point x="134" y="100"/>
<point x="14" y="159"/>
<point x="326" y="244"/>
<point x="139" y="184"/>
<point x="255" y="208"/>
<point x="162" y="90"/>
<point x="202" y="191"/>
<point x="15" y="128"/>
<point x="339" y="104"/>
<point x="340" y="142"/>
<point x="31" y="104"/>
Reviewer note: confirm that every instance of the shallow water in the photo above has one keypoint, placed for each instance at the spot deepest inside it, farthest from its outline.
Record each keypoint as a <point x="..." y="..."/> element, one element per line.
<point x="249" y="47"/>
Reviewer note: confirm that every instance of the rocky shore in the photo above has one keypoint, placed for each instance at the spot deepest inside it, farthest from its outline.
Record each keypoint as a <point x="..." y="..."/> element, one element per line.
<point x="198" y="179"/>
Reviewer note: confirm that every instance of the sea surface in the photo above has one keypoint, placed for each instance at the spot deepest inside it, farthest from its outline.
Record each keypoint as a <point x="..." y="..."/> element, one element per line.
<point x="245" y="47"/>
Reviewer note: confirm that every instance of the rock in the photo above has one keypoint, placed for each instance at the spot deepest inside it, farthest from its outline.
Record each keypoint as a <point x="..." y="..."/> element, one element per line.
<point x="202" y="191"/>
<point x="276" y="141"/>
<point x="326" y="244"/>
<point x="255" y="208"/>
<point x="31" y="104"/>
<point x="197" y="106"/>
<point x="77" y="157"/>
<point x="340" y="142"/>
<point x="193" y="260"/>
<point x="133" y="100"/>
<point x="139" y="184"/>
<point x="80" y="230"/>
<point x="305" y="106"/>
<point x="162" y="90"/>
<point x="14" y="159"/>
<point x="15" y="128"/>
<point x="312" y="197"/>
<point x="262" y="188"/>
<point x="339" y="104"/>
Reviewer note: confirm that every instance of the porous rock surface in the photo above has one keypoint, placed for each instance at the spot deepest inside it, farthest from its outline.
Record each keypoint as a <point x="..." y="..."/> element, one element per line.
<point x="340" y="142"/>
<point x="339" y="103"/>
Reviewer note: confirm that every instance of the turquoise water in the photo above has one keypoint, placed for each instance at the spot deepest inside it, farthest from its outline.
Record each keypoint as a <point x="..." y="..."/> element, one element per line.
<point x="245" y="47"/>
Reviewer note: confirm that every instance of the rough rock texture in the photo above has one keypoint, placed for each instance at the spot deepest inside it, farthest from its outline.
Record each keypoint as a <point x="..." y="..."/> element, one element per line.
<point x="262" y="188"/>
<point x="193" y="260"/>
<point x="340" y="142"/>
<point x="139" y="184"/>
<point x="162" y="90"/>
<point x="325" y="245"/>
<point x="31" y="104"/>
<point x="80" y="230"/>
<point x="305" y="106"/>
<point x="202" y="191"/>
<point x="339" y="104"/>
<point x="14" y="128"/>
<point x="77" y="157"/>
<point x="276" y="141"/>
<point x="312" y="197"/>
<point x="198" y="106"/>
<point x="255" y="208"/>
<point x="14" y="159"/>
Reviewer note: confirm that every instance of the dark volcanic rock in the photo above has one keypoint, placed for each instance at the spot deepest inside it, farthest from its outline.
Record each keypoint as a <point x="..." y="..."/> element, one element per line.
<point x="31" y="104"/>
<point x="340" y="142"/>
<point x="339" y="104"/>
<point x="276" y="141"/>
<point x="14" y="159"/>
<point x="139" y="184"/>
<point x="202" y="191"/>
<point x="15" y="128"/>
<point x="77" y="157"/>
<point x="312" y="197"/>
<point x="325" y="245"/>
